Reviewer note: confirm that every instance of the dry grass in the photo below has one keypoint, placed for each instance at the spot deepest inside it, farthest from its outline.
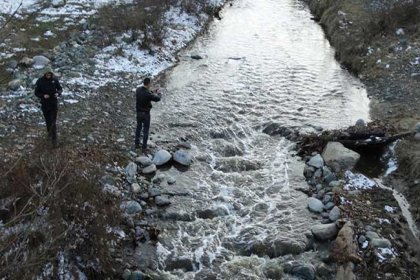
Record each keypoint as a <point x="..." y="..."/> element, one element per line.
<point x="52" y="204"/>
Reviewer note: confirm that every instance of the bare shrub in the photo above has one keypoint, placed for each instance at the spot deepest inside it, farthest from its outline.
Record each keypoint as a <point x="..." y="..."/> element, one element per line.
<point x="53" y="206"/>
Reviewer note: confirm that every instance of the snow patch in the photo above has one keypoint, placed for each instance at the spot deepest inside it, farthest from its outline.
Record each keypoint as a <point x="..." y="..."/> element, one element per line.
<point x="357" y="181"/>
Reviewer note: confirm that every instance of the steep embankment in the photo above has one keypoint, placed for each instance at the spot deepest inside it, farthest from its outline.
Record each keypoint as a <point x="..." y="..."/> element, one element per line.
<point x="380" y="42"/>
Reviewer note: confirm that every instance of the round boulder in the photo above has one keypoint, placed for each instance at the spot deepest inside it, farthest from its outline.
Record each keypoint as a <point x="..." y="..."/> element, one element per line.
<point x="183" y="157"/>
<point x="315" y="205"/>
<point x="338" y="157"/>
<point x="316" y="161"/>
<point x="334" y="214"/>
<point x="324" y="232"/>
<point x="40" y="61"/>
<point x="161" y="157"/>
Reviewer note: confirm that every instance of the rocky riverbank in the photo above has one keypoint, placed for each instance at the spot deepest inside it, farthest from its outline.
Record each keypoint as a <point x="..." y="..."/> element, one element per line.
<point x="361" y="226"/>
<point x="60" y="216"/>
<point x="379" y="41"/>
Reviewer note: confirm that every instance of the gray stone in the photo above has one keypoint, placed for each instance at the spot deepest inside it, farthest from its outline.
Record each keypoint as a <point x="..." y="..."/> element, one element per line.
<point x="149" y="169"/>
<point x="159" y="178"/>
<point x="308" y="171"/>
<point x="154" y="192"/>
<point x="316" y="161"/>
<point x="324" y="232"/>
<point x="126" y="275"/>
<point x="135" y="188"/>
<point x="304" y="271"/>
<point x="161" y="157"/>
<point x="171" y="180"/>
<point x="417" y="136"/>
<point x="26" y="61"/>
<point x="335" y="214"/>
<point x="380" y="243"/>
<point x="327" y="198"/>
<point x="196" y="56"/>
<point x="315" y="205"/>
<point x="137" y="275"/>
<point x="40" y="61"/>
<point x="16" y="84"/>
<point x="162" y="200"/>
<point x="360" y="122"/>
<point x="131" y="207"/>
<point x="131" y="172"/>
<point x="219" y="211"/>
<point x="361" y="239"/>
<point x="330" y="205"/>
<point x="12" y="64"/>
<point x="372" y="235"/>
<point x="417" y="128"/>
<point x="334" y="184"/>
<point x="183" y="157"/>
<point x="338" y="157"/>
<point x="144" y="161"/>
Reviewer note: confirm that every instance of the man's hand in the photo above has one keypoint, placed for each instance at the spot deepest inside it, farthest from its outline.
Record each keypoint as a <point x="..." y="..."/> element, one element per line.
<point x="46" y="96"/>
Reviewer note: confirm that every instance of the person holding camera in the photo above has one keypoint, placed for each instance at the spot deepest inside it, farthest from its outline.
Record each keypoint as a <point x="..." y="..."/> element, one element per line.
<point x="48" y="89"/>
<point x="144" y="98"/>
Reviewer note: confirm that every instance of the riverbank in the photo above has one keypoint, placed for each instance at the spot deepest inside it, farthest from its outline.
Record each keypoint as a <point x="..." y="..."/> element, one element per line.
<point x="380" y="43"/>
<point x="60" y="216"/>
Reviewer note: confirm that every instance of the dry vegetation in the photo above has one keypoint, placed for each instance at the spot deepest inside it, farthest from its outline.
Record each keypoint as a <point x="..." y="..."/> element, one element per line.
<point x="51" y="206"/>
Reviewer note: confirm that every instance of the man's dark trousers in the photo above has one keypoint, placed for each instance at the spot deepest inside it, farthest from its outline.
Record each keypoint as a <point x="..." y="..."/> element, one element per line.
<point x="143" y="123"/>
<point x="50" y="109"/>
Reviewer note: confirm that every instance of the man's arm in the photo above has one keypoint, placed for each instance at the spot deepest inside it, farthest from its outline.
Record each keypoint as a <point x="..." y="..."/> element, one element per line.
<point x="38" y="92"/>
<point x="155" y="97"/>
<point x="58" y="87"/>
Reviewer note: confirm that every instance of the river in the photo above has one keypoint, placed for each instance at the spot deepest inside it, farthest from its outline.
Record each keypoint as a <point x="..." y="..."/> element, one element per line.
<point x="265" y="62"/>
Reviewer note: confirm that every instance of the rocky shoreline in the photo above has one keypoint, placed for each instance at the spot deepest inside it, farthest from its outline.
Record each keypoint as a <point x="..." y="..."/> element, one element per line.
<point x="380" y="43"/>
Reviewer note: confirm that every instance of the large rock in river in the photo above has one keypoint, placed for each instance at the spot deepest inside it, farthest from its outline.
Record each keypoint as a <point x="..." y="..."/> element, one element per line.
<point x="324" y="232"/>
<point x="161" y="157"/>
<point x="338" y="157"/>
<point x="183" y="157"/>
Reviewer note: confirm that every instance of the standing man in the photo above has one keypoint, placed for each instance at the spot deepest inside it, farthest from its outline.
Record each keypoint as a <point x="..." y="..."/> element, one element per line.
<point x="144" y="98"/>
<point x="48" y="89"/>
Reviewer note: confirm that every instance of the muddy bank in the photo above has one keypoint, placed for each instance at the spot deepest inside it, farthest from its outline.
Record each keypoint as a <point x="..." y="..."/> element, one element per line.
<point x="380" y="43"/>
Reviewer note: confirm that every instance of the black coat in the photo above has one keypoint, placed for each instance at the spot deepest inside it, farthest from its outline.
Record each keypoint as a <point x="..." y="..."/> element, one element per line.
<point x="144" y="99"/>
<point x="49" y="87"/>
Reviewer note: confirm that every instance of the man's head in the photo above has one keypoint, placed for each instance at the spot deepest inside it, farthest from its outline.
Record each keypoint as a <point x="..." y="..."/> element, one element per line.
<point x="146" y="82"/>
<point x="48" y="73"/>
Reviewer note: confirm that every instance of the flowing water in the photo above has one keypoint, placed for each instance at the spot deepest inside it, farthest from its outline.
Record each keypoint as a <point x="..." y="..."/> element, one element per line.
<point x="265" y="62"/>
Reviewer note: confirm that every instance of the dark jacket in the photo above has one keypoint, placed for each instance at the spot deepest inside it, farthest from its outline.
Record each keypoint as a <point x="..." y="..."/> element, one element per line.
<point x="144" y="99"/>
<point x="49" y="87"/>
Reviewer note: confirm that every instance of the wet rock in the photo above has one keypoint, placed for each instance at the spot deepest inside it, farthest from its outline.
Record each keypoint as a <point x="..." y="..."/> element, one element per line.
<point x="273" y="269"/>
<point x="183" y="263"/>
<point x="137" y="275"/>
<point x="161" y="157"/>
<point x="274" y="129"/>
<point x="417" y="128"/>
<point x="131" y="172"/>
<point x="149" y="169"/>
<point x="219" y="211"/>
<point x="144" y="161"/>
<point x="196" y="57"/>
<point x="334" y="214"/>
<point x="361" y="123"/>
<point x="26" y="62"/>
<point x="338" y="157"/>
<point x="183" y="157"/>
<point x="226" y="149"/>
<point x="324" y="232"/>
<point x="40" y="61"/>
<point x="171" y="180"/>
<point x="380" y="243"/>
<point x="178" y="216"/>
<point x="162" y="200"/>
<point x="275" y="247"/>
<point x="345" y="245"/>
<point x="303" y="271"/>
<point x="135" y="188"/>
<point x="154" y="192"/>
<point x="131" y="207"/>
<point x="308" y="171"/>
<point x="316" y="161"/>
<point x="236" y="164"/>
<point x="315" y="205"/>
<point x="372" y="235"/>
<point x="16" y="84"/>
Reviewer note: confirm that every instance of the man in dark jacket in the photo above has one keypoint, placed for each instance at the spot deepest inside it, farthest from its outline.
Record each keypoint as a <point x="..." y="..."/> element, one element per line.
<point x="144" y="98"/>
<point x="48" y="89"/>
